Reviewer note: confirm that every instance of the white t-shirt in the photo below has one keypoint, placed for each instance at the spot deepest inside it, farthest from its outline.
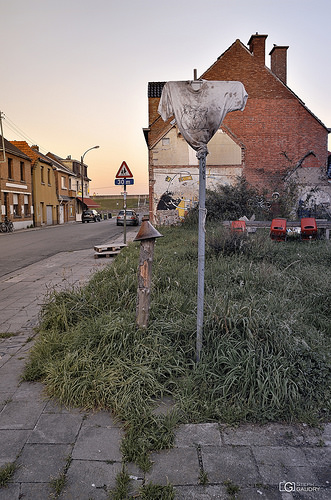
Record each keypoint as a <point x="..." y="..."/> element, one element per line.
<point x="199" y="110"/>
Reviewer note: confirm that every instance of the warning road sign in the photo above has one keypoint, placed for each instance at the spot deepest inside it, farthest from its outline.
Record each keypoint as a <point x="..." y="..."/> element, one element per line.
<point x="124" y="171"/>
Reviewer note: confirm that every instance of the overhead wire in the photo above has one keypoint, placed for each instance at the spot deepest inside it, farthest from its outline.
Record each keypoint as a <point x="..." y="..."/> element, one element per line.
<point x="15" y="128"/>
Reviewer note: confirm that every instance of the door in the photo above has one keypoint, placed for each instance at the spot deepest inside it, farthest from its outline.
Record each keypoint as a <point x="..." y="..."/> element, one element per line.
<point x="61" y="214"/>
<point x="49" y="215"/>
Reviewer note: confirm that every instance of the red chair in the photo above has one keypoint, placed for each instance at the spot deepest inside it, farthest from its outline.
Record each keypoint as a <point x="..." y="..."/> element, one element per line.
<point x="238" y="226"/>
<point x="278" y="229"/>
<point x="308" y="228"/>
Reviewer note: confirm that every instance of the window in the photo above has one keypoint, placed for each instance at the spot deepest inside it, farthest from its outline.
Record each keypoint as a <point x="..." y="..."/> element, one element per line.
<point x="10" y="168"/>
<point x="42" y="175"/>
<point x="26" y="205"/>
<point x="49" y="176"/>
<point x="22" y="171"/>
<point x="15" y="205"/>
<point x="63" y="183"/>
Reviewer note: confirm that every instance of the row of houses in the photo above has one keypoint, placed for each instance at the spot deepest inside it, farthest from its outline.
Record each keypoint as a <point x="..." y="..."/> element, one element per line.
<point x="38" y="189"/>
<point x="274" y="141"/>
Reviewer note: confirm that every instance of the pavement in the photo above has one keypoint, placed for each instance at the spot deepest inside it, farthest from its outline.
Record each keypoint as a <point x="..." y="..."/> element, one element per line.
<point x="49" y="443"/>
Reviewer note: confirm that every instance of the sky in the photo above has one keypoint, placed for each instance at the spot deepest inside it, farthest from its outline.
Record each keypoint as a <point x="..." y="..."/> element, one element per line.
<point x="74" y="73"/>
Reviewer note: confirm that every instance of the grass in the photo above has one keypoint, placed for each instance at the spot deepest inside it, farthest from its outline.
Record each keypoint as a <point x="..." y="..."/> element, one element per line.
<point x="266" y="345"/>
<point x="8" y="335"/>
<point x="6" y="473"/>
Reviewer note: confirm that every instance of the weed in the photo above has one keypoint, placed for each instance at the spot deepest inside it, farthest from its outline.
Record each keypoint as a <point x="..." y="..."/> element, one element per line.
<point x="231" y="488"/>
<point x="152" y="491"/>
<point x="203" y="478"/>
<point x="58" y="483"/>
<point x="122" y="487"/>
<point x="7" y="335"/>
<point x="6" y="473"/>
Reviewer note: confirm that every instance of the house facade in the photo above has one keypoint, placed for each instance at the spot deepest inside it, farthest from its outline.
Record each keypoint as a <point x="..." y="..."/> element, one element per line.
<point x="80" y="183"/>
<point x="65" y="184"/>
<point x="16" y="192"/>
<point x="275" y="140"/>
<point x="45" y="200"/>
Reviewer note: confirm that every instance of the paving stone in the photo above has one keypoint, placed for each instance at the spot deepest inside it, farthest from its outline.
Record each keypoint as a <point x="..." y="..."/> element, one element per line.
<point x="28" y="390"/>
<point x="178" y="466"/>
<point x="98" y="443"/>
<point x="36" y="491"/>
<point x="326" y="435"/>
<point x="41" y="462"/>
<point x="12" y="442"/>
<point x="90" y="480"/>
<point x="191" y="435"/>
<point x="21" y="414"/>
<point x="100" y="419"/>
<point x="235" y="463"/>
<point x="214" y="492"/>
<point x="274" y="455"/>
<point x="278" y="473"/>
<point x="52" y="406"/>
<point x="56" y="428"/>
<point x="267" y="435"/>
<point x="10" y="492"/>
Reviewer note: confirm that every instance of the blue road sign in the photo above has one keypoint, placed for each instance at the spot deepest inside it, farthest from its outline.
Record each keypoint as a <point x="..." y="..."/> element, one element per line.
<point x="124" y="182"/>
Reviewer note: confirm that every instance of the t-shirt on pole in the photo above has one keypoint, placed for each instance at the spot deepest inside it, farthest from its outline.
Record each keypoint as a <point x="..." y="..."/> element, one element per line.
<point x="200" y="108"/>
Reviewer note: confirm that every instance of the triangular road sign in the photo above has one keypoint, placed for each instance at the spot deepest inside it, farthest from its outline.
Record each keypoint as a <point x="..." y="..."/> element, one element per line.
<point x="123" y="171"/>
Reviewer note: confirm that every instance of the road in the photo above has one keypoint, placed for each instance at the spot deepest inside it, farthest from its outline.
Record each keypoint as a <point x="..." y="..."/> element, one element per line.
<point x="22" y="248"/>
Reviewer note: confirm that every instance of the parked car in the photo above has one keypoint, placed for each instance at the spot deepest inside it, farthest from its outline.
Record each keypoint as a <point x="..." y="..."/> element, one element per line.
<point x="131" y="218"/>
<point x="91" y="215"/>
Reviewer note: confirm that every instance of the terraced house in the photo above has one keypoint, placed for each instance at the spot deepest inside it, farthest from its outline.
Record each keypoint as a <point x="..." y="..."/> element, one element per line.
<point x="275" y="140"/>
<point x="53" y="195"/>
<point x="15" y="185"/>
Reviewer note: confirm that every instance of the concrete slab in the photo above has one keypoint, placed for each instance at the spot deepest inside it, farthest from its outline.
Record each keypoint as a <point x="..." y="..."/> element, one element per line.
<point x="90" y="479"/>
<point x="212" y="492"/>
<point x="98" y="443"/>
<point x="21" y="414"/>
<point x="56" y="428"/>
<point x="41" y="462"/>
<point x="235" y="463"/>
<point x="178" y="466"/>
<point x="12" y="442"/>
<point x="191" y="435"/>
<point x="36" y="491"/>
<point x="10" y="492"/>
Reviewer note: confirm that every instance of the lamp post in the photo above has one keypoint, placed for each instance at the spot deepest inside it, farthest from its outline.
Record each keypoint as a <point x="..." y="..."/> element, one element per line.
<point x="82" y="175"/>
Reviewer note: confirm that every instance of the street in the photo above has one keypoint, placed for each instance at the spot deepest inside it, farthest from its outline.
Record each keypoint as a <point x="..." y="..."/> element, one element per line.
<point x="22" y="248"/>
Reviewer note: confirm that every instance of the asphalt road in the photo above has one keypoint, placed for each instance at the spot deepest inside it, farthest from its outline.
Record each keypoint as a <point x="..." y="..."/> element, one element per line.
<point x="22" y="248"/>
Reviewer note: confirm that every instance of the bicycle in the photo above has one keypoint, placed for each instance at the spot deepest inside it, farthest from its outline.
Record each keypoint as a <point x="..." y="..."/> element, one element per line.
<point x="7" y="226"/>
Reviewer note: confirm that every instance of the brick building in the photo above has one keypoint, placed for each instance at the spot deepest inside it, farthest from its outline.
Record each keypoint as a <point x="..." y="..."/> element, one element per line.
<point x="275" y="139"/>
<point x="16" y="197"/>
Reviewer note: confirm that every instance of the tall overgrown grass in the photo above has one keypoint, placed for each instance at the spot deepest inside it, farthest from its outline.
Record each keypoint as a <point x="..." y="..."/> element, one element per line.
<point x="266" y="343"/>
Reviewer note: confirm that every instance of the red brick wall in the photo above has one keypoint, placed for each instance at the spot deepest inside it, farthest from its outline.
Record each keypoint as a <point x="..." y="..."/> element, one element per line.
<point x="274" y="121"/>
<point x="275" y="128"/>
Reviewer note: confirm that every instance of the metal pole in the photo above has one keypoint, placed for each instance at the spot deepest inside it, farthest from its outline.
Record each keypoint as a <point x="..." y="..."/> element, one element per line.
<point x="201" y="252"/>
<point x="124" y="206"/>
<point x="82" y="175"/>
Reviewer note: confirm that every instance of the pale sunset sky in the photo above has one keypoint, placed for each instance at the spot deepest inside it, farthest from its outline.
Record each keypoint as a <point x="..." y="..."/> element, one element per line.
<point x="74" y="73"/>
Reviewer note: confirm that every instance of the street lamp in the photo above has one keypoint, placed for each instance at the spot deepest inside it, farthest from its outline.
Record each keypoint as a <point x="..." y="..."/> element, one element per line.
<point x="82" y="175"/>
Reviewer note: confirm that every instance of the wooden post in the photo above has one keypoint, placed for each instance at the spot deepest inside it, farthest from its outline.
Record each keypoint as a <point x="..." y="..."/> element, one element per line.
<point x="144" y="282"/>
<point x="146" y="236"/>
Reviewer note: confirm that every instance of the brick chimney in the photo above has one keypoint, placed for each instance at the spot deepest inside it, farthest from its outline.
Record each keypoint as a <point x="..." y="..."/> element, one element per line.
<point x="279" y="62"/>
<point x="256" y="45"/>
<point x="35" y="147"/>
